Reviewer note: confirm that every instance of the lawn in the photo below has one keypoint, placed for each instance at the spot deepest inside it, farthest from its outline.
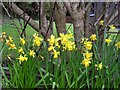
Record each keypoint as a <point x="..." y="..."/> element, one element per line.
<point x="12" y="31"/>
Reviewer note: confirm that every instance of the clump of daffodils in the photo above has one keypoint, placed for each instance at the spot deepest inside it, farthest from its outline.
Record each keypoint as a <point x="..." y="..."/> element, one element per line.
<point x="65" y="40"/>
<point x="10" y="43"/>
<point x="54" y="44"/>
<point x="87" y="45"/>
<point x="87" y="54"/>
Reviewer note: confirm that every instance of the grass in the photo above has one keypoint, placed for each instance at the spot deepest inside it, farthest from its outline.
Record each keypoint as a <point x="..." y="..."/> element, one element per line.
<point x="12" y="31"/>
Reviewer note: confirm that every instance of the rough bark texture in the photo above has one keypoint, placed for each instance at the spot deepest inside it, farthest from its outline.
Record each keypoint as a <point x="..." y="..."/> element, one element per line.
<point x="77" y="16"/>
<point x="87" y="30"/>
<point x="43" y="23"/>
<point x="60" y="17"/>
<point x="77" y="12"/>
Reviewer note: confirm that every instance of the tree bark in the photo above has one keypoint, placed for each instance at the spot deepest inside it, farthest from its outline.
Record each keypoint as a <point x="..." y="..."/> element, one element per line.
<point x="77" y="16"/>
<point x="87" y="30"/>
<point x="60" y="17"/>
<point x="77" y="12"/>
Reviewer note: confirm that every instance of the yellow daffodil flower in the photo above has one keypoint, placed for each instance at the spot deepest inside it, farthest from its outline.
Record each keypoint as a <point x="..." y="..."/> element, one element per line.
<point x="51" y="48"/>
<point x="4" y="34"/>
<point x="93" y="37"/>
<point x="87" y="55"/>
<point x="10" y="39"/>
<point x="37" y="40"/>
<point x="88" y="45"/>
<point x="64" y="39"/>
<point x="112" y="27"/>
<point x="22" y="58"/>
<point x="57" y="44"/>
<point x="51" y="40"/>
<point x="99" y="66"/>
<point x="108" y="41"/>
<point x="12" y="46"/>
<point x="101" y="22"/>
<point x="117" y="44"/>
<point x="8" y="42"/>
<point x="56" y="54"/>
<point x="86" y="62"/>
<point x="70" y="45"/>
<point x="20" y="50"/>
<point x="22" y="41"/>
<point x="32" y="53"/>
<point x="82" y="40"/>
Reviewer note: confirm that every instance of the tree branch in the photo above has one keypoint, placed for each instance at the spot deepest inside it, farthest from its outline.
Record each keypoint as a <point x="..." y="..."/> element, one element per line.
<point x="19" y="12"/>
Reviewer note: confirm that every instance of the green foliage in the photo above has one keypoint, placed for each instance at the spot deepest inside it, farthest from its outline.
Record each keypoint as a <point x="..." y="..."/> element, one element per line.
<point x="66" y="71"/>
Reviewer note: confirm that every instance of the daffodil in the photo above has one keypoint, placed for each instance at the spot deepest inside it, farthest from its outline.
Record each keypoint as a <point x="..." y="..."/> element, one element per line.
<point x="108" y="41"/>
<point x="88" y="45"/>
<point x="37" y="40"/>
<point x="4" y="34"/>
<point x="20" y="50"/>
<point x="8" y="42"/>
<point x="56" y="53"/>
<point x="117" y="44"/>
<point x="22" y="58"/>
<point x="86" y="62"/>
<point x="32" y="53"/>
<point x="99" y="66"/>
<point x="12" y="46"/>
<point x="82" y="40"/>
<point x="57" y="44"/>
<point x="70" y="45"/>
<point x="51" y="40"/>
<point x="10" y="39"/>
<point x="22" y="40"/>
<point x="66" y="41"/>
<point x="64" y="38"/>
<point x="101" y="22"/>
<point x="87" y="55"/>
<point x="51" y="48"/>
<point x="93" y="37"/>
<point x="112" y="27"/>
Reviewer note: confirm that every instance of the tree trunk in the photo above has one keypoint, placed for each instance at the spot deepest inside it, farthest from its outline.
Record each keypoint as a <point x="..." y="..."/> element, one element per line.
<point x="77" y="12"/>
<point x="87" y="30"/>
<point x="60" y="17"/>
